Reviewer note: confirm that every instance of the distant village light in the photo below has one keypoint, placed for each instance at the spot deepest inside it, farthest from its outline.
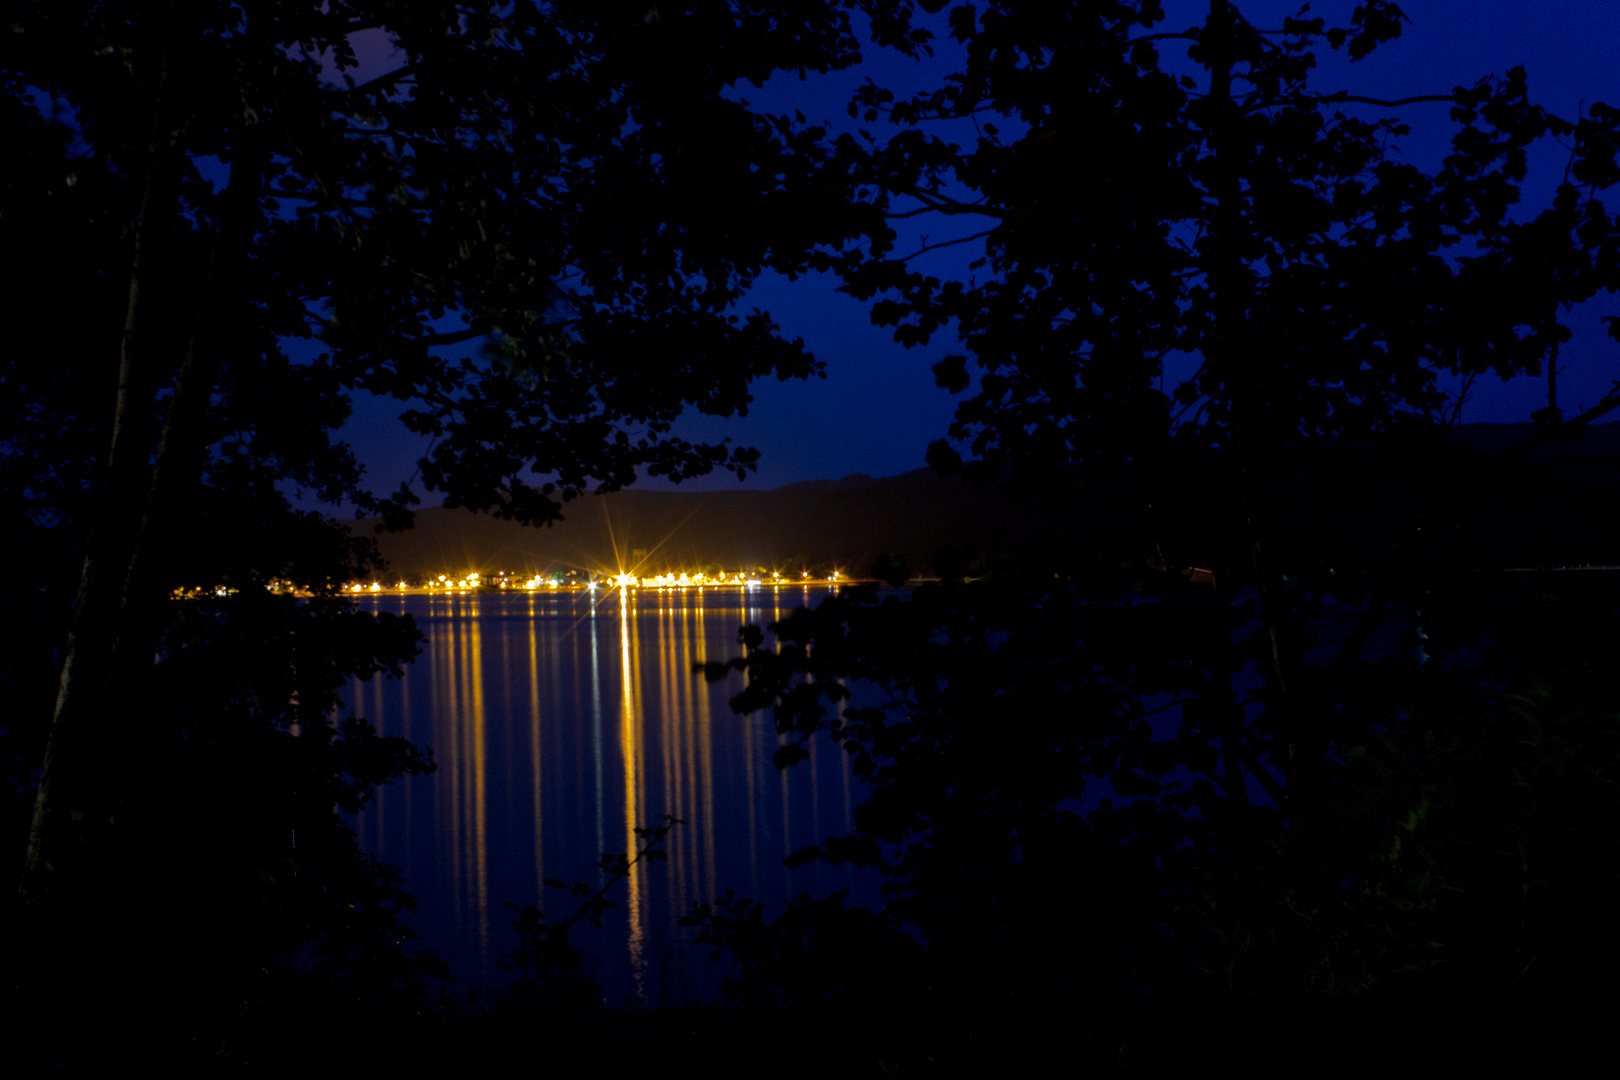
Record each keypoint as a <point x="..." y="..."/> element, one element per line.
<point x="472" y="581"/>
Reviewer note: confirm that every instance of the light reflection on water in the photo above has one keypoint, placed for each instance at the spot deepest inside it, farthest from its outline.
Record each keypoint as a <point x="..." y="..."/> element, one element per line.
<point x="560" y="723"/>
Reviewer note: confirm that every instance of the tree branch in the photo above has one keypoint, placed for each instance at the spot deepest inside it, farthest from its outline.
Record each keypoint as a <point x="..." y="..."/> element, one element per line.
<point x="1565" y="430"/>
<point x="945" y="207"/>
<point x="947" y="243"/>
<point x="382" y="82"/>
<point x="434" y="341"/>
<point x="1386" y="102"/>
<point x="1262" y="774"/>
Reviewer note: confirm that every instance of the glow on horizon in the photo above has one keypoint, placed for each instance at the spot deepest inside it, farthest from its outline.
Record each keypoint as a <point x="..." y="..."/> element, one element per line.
<point x="588" y="581"/>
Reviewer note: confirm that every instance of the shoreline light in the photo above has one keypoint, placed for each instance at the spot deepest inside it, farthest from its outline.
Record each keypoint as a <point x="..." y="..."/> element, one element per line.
<point x="465" y="583"/>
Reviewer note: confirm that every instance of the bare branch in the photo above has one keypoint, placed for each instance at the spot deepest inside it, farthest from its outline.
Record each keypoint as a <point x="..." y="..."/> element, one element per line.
<point x="383" y="82"/>
<point x="1262" y="774"/>
<point x="1386" y="102"/>
<point x="1567" y="429"/>
<point x="947" y="207"/>
<point x="434" y="341"/>
<point x="947" y="243"/>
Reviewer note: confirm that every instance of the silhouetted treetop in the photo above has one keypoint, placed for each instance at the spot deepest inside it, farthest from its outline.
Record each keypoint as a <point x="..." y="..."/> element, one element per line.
<point x="572" y="186"/>
<point x="1183" y="229"/>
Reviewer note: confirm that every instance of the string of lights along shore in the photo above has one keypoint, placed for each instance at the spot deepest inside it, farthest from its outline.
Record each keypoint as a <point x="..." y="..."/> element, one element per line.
<point x="583" y="580"/>
<point x="575" y="580"/>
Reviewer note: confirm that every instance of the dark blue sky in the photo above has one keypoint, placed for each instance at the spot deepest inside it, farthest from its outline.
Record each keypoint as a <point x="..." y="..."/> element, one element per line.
<point x="878" y="408"/>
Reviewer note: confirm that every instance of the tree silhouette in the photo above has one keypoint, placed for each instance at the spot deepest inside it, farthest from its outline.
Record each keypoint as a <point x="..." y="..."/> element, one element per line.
<point x="1266" y="728"/>
<point x="529" y="224"/>
<point x="1199" y="751"/>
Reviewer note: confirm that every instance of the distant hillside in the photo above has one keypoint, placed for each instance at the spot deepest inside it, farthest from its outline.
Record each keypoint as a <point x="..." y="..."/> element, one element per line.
<point x="848" y="523"/>
<point x="1558" y="505"/>
<point x="844" y="523"/>
<point x="1592" y="457"/>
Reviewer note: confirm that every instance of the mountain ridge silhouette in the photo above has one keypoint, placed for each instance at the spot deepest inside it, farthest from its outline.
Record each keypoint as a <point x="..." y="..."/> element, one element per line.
<point x="843" y="524"/>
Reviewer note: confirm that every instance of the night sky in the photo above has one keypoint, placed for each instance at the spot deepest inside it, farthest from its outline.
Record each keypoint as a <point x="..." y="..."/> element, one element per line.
<point x="878" y="408"/>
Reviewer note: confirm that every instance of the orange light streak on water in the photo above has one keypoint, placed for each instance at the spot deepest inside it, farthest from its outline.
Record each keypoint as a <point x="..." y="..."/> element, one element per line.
<point x="447" y="804"/>
<point x="480" y="759"/>
<point x="750" y="757"/>
<point x="631" y="750"/>
<point x="700" y="688"/>
<point x="668" y="746"/>
<point x="708" y="768"/>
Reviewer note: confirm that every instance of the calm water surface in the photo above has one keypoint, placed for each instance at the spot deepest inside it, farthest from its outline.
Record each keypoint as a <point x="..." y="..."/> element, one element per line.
<point x="560" y="722"/>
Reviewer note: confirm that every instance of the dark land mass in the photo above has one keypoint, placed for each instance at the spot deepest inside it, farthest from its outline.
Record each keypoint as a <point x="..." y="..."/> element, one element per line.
<point x="815" y="525"/>
<point x="1588" y="455"/>
<point x="916" y="516"/>
<point x="1553" y="506"/>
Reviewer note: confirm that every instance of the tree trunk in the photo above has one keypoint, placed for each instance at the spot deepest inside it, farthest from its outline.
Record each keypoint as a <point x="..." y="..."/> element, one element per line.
<point x="1237" y="358"/>
<point x="182" y="450"/>
<point x="117" y="624"/>
<point x="115" y="527"/>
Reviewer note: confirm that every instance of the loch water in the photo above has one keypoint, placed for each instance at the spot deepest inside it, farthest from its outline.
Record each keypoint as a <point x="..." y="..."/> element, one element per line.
<point x="559" y="722"/>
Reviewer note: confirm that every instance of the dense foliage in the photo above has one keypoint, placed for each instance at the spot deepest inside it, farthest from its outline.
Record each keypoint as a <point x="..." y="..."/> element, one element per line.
<point x="1277" y="723"/>
<point x="1273" y="721"/>
<point x="528" y="224"/>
